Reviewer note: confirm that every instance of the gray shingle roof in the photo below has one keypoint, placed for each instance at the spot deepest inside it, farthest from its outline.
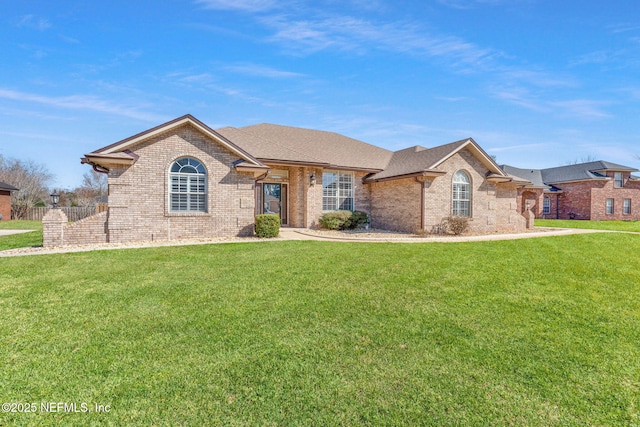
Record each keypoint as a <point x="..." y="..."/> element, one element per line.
<point x="570" y="173"/>
<point x="533" y="175"/>
<point x="275" y="144"/>
<point x="417" y="159"/>
<point x="6" y="187"/>
<point x="286" y="143"/>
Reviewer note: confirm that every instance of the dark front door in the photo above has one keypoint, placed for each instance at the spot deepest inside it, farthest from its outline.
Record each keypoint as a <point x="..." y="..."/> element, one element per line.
<point x="274" y="200"/>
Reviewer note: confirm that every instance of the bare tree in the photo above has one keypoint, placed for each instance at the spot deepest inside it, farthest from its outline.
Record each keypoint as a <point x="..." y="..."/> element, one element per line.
<point x="96" y="182"/>
<point x="30" y="178"/>
<point x="94" y="186"/>
<point x="584" y="159"/>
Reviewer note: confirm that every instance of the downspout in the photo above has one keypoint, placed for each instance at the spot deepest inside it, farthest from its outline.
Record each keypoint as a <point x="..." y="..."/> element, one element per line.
<point x="99" y="168"/>
<point x="421" y="203"/>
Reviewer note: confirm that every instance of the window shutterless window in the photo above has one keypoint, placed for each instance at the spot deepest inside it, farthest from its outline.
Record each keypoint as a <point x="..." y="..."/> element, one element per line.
<point x="461" y="198"/>
<point x="626" y="206"/>
<point x="617" y="180"/>
<point x="546" y="205"/>
<point x="187" y="186"/>
<point x="337" y="191"/>
<point x="609" y="206"/>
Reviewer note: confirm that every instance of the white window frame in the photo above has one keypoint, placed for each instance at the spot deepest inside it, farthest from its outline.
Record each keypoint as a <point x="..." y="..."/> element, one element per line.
<point x="461" y="196"/>
<point x="609" y="206"/>
<point x="626" y="207"/>
<point x="618" y="180"/>
<point x="546" y="205"/>
<point x="338" y="189"/>
<point x="188" y="186"/>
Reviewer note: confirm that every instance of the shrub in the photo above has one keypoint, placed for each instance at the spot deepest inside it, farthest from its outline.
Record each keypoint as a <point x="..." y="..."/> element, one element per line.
<point x="358" y="219"/>
<point x="456" y="224"/>
<point x="267" y="225"/>
<point x="335" y="220"/>
<point x="343" y="220"/>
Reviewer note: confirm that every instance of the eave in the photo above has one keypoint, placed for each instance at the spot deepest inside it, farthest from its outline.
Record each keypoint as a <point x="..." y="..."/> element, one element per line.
<point x="278" y="162"/>
<point x="109" y="160"/>
<point x="426" y="173"/>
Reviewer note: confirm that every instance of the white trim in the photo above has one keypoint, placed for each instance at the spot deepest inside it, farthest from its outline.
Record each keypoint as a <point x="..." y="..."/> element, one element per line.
<point x="477" y="151"/>
<point x="163" y="129"/>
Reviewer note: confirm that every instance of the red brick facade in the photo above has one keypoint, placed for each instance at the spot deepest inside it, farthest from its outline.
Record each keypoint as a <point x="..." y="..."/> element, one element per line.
<point x="5" y="205"/>
<point x="585" y="200"/>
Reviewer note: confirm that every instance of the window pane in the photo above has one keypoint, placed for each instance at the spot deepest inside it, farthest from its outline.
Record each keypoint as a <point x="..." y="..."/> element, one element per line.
<point x="337" y="191"/>
<point x="187" y="186"/>
<point x="461" y="194"/>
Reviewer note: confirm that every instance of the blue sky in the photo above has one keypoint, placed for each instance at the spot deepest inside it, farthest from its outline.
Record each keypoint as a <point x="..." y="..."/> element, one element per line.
<point x="537" y="83"/>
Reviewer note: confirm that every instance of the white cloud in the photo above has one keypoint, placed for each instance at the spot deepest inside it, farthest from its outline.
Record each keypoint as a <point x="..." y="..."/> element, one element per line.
<point x="469" y="4"/>
<point x="580" y="108"/>
<point x="261" y="71"/>
<point x="359" y="35"/>
<point x="81" y="102"/>
<point x="33" y="22"/>
<point x="583" y="108"/>
<point x="240" y="5"/>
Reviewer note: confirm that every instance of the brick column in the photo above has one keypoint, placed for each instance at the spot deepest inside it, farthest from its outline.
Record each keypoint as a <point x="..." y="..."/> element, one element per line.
<point x="530" y="217"/>
<point x="53" y="224"/>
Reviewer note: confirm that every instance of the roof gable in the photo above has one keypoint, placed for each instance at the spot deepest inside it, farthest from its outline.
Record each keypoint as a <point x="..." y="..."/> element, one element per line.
<point x="118" y="153"/>
<point x="425" y="161"/>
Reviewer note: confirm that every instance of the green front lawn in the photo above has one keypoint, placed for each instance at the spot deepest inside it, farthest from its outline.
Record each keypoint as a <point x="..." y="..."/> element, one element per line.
<point x="633" y="226"/>
<point x="20" y="225"/>
<point x="536" y="332"/>
<point x="22" y="240"/>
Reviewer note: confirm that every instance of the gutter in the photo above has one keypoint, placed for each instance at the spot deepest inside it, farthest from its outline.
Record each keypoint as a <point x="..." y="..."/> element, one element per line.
<point x="421" y="182"/>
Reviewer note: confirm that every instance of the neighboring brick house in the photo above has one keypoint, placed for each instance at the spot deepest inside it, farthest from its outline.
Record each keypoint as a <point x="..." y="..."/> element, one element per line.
<point x="594" y="191"/>
<point x="5" y="200"/>
<point x="183" y="179"/>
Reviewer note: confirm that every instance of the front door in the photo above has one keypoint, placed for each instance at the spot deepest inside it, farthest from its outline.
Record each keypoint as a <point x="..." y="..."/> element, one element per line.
<point x="274" y="200"/>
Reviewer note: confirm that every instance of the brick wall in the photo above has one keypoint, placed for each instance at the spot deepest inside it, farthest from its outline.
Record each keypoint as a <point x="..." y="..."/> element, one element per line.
<point x="395" y="204"/>
<point x="139" y="194"/>
<point x="87" y="231"/>
<point x="5" y="205"/>
<point x="586" y="200"/>
<point x="629" y="190"/>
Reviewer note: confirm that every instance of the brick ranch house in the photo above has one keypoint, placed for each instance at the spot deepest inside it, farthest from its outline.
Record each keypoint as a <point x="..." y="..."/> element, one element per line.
<point x="5" y="200"/>
<point x="592" y="191"/>
<point x="183" y="179"/>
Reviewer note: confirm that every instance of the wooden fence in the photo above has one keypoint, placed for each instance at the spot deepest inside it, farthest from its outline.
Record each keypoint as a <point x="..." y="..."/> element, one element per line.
<point x="74" y="214"/>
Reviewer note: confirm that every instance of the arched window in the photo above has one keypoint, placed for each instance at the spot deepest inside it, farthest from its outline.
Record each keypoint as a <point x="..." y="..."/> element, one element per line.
<point x="461" y="194"/>
<point x="188" y="186"/>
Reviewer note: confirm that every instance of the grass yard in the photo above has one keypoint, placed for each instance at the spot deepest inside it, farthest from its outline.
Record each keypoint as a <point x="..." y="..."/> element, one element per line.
<point x="20" y="225"/>
<point x="537" y="332"/>
<point x="633" y="226"/>
<point x="23" y="240"/>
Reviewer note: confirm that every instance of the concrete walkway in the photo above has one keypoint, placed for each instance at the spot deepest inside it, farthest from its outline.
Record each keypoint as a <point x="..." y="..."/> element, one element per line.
<point x="305" y="234"/>
<point x="10" y="232"/>
<point x="292" y="234"/>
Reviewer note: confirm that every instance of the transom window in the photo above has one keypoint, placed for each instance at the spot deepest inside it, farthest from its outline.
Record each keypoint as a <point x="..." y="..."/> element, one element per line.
<point x="187" y="186"/>
<point x="337" y="191"/>
<point x="461" y="194"/>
